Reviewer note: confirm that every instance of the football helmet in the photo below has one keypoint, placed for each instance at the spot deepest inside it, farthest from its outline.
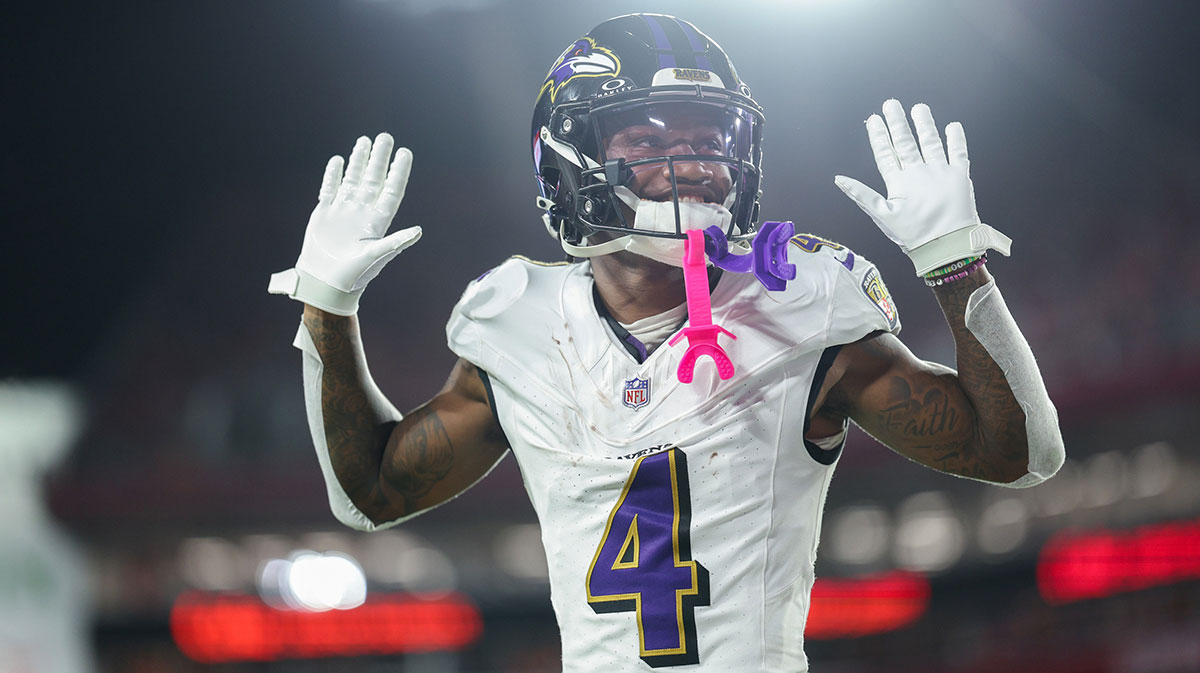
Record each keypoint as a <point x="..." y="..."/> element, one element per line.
<point x="642" y="69"/>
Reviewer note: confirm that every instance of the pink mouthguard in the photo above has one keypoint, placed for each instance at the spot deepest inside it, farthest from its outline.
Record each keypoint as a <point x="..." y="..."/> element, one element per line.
<point x="702" y="333"/>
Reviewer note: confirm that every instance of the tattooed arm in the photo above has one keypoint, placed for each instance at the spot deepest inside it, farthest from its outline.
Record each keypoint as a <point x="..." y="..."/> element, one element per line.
<point x="965" y="422"/>
<point x="391" y="468"/>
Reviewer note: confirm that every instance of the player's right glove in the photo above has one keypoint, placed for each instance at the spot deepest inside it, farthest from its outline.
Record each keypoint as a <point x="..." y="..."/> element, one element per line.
<point x="344" y="245"/>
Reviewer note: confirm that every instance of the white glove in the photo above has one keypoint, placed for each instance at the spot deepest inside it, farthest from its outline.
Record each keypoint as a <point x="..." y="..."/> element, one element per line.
<point x="344" y="245"/>
<point x="930" y="208"/>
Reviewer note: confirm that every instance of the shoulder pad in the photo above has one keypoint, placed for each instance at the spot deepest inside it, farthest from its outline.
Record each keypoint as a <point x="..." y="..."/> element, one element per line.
<point x="815" y="244"/>
<point x="497" y="289"/>
<point x="861" y="301"/>
<point x="488" y="297"/>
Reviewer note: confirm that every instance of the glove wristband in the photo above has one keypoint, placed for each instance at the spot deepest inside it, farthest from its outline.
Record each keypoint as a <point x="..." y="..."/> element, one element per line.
<point x="950" y="268"/>
<point x="972" y="266"/>
<point x="959" y="244"/>
<point x="308" y="289"/>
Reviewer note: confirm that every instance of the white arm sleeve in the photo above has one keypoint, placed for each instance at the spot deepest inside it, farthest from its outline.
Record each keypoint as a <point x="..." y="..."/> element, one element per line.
<point x="988" y="318"/>
<point x="339" y="502"/>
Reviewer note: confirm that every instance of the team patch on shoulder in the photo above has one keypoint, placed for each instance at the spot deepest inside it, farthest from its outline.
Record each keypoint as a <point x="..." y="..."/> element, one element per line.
<point x="813" y="243"/>
<point x="877" y="292"/>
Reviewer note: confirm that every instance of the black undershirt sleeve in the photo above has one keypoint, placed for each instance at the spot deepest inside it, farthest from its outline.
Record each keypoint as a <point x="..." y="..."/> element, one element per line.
<point x="491" y="397"/>
<point x="822" y="456"/>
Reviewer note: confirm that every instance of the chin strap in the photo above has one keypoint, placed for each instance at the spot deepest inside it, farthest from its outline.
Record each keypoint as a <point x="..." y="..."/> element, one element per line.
<point x="582" y="251"/>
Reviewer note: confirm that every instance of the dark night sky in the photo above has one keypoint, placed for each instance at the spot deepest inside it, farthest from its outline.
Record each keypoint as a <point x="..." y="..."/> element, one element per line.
<point x="162" y="158"/>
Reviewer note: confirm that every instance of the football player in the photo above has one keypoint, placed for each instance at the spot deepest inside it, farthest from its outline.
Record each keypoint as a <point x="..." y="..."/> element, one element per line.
<point x="680" y="519"/>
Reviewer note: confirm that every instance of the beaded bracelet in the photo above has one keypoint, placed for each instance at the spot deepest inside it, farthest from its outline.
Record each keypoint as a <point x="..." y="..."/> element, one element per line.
<point x="950" y="268"/>
<point x="943" y="280"/>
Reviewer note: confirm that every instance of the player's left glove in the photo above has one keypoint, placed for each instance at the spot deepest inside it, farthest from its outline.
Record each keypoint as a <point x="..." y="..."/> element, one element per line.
<point x="930" y="208"/>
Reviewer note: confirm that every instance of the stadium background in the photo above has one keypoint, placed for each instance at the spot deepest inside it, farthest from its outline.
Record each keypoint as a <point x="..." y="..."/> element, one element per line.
<point x="161" y="161"/>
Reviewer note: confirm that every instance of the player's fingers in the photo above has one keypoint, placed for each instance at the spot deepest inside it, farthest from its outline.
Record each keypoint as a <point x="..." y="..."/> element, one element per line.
<point x="881" y="147"/>
<point x="376" y="169"/>
<point x="397" y="183"/>
<point x="868" y="199"/>
<point x="927" y="133"/>
<point x="956" y="143"/>
<point x="396" y="243"/>
<point x="333" y="178"/>
<point x="355" y="168"/>
<point x="902" y="137"/>
<point x="874" y="205"/>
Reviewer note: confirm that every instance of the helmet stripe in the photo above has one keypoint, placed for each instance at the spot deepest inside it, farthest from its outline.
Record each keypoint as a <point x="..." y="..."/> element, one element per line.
<point x="686" y="50"/>
<point x="662" y="45"/>
<point x="697" y="46"/>
<point x="679" y="44"/>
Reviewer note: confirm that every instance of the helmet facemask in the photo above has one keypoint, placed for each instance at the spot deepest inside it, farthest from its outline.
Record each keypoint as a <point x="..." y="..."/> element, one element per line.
<point x="657" y="164"/>
<point x="661" y="74"/>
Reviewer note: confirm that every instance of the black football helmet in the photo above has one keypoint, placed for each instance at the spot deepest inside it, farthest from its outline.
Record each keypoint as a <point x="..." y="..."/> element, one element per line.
<point x="624" y="69"/>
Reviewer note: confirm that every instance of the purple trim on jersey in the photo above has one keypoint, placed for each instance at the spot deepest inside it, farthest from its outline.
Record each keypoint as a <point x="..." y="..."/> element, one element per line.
<point x="633" y="346"/>
<point x="661" y="42"/>
<point x="641" y="347"/>
<point x="697" y="46"/>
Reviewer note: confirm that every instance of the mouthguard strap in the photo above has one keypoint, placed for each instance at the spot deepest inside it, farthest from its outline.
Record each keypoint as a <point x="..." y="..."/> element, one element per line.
<point x="701" y="332"/>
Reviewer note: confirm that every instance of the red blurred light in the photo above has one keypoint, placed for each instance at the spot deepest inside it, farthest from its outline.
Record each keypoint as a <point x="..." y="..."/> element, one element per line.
<point x="212" y="628"/>
<point x="858" y="607"/>
<point x="1078" y="566"/>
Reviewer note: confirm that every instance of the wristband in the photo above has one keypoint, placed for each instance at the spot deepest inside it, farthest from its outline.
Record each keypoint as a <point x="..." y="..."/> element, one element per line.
<point x="947" y="279"/>
<point x="950" y="268"/>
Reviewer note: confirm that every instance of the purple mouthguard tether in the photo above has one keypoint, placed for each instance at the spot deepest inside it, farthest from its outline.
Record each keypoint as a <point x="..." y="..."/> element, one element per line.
<point x="768" y="261"/>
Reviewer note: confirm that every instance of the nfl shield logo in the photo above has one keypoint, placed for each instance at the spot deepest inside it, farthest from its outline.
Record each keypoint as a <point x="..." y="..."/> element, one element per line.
<point x="637" y="393"/>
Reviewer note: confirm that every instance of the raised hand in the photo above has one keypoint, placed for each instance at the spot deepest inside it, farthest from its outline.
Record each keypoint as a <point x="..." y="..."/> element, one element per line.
<point x="930" y="206"/>
<point x="345" y="244"/>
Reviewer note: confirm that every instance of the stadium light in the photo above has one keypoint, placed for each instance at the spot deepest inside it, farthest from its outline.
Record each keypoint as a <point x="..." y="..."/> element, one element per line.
<point x="1003" y="526"/>
<point x="218" y="628"/>
<point x="929" y="536"/>
<point x="1078" y="566"/>
<point x="848" y="608"/>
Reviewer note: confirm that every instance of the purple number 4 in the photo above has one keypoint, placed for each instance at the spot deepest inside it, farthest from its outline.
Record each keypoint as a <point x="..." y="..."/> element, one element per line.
<point x="644" y="561"/>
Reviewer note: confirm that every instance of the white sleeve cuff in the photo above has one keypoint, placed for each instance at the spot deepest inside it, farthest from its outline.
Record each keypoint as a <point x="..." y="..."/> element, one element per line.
<point x="988" y="318"/>
<point x="341" y="505"/>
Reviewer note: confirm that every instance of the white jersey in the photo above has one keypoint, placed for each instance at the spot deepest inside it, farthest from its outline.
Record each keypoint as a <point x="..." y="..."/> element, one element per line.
<point x="680" y="521"/>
